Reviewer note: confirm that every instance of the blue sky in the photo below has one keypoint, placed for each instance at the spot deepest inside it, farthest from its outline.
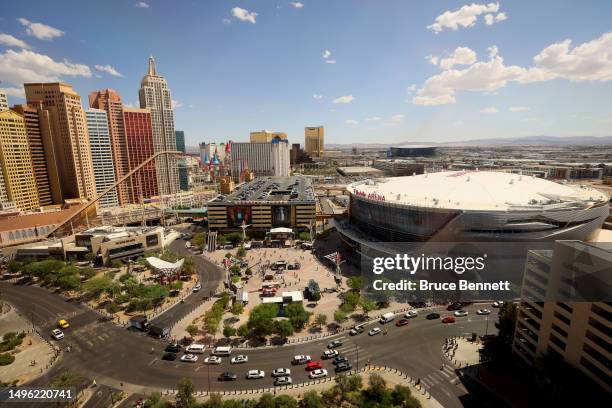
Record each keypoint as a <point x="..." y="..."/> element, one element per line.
<point x="501" y="69"/>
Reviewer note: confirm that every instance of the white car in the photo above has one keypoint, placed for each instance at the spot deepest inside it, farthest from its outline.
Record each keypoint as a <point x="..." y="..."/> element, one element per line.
<point x="301" y="359"/>
<point x="57" y="334"/>
<point x="374" y="331"/>
<point x="239" y="359"/>
<point x="461" y="313"/>
<point x="212" y="360"/>
<point x="320" y="373"/>
<point x="189" y="358"/>
<point x="255" y="374"/>
<point x="483" y="312"/>
<point x="197" y="287"/>
<point x="281" y="372"/>
<point x="499" y="303"/>
<point x="283" y="381"/>
<point x="330" y="353"/>
<point x="410" y="314"/>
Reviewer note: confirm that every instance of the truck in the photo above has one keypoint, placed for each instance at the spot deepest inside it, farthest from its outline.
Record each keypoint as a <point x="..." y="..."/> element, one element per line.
<point x="386" y="318"/>
<point x="140" y="323"/>
<point x="159" y="331"/>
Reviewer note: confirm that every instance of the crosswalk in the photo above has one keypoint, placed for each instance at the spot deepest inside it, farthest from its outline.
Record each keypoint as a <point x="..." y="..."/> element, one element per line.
<point x="447" y="374"/>
<point x="353" y="352"/>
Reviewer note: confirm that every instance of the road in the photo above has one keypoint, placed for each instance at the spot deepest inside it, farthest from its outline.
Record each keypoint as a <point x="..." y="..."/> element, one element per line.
<point x="210" y="278"/>
<point x="122" y="359"/>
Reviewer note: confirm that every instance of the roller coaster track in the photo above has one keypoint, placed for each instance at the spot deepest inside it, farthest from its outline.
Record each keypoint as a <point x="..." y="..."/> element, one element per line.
<point x="121" y="180"/>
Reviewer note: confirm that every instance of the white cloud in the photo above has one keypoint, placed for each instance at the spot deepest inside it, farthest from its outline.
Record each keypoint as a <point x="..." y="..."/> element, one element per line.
<point x="465" y="16"/>
<point x="318" y="96"/>
<point x="244" y="15"/>
<point x="108" y="69"/>
<point x="330" y="61"/>
<point x="457" y="123"/>
<point x="39" y="30"/>
<point x="16" y="92"/>
<point x="373" y="119"/>
<point x="176" y="104"/>
<point x="432" y="59"/>
<point x="344" y="99"/>
<point x="518" y="109"/>
<point x="501" y="17"/>
<point x="18" y="67"/>
<point x="326" y="54"/>
<point x="10" y="41"/>
<point x="398" y="118"/>
<point x="226" y="21"/>
<point x="351" y="122"/>
<point x="142" y="4"/>
<point x="489" y="110"/>
<point x="411" y="88"/>
<point x="297" y="4"/>
<point x="461" y="56"/>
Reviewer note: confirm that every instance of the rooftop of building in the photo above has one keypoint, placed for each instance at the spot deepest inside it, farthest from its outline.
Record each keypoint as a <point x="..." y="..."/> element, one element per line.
<point x="112" y="233"/>
<point x="271" y="189"/>
<point x="477" y="190"/>
<point x="358" y="170"/>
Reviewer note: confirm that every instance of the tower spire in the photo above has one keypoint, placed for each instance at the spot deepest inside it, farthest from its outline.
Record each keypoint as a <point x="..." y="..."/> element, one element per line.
<point x="152" y="68"/>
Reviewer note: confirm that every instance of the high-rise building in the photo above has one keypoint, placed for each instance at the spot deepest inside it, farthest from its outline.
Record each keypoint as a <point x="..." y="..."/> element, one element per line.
<point x="40" y="140"/>
<point x="139" y="135"/>
<point x="155" y="95"/>
<point x="110" y="101"/>
<point x="580" y="333"/>
<point x="263" y="159"/>
<point x="314" y="141"/>
<point x="102" y="156"/>
<point x="182" y="163"/>
<point x="16" y="162"/>
<point x="70" y="137"/>
<point x="5" y="204"/>
<point x="3" y="100"/>
<point x="266" y="136"/>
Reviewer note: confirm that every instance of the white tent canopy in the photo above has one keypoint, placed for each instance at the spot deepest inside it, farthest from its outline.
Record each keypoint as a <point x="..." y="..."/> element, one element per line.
<point x="164" y="267"/>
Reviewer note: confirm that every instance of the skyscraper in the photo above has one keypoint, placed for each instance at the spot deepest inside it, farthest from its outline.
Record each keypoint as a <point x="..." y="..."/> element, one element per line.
<point x="3" y="100"/>
<point x="102" y="156"/>
<point x="314" y="140"/>
<point x="264" y="136"/>
<point x="110" y="101"/>
<point x="263" y="159"/>
<point x="70" y="136"/>
<point x="139" y="136"/>
<point x="40" y="141"/>
<point x="16" y="162"/>
<point x="182" y="163"/>
<point x="155" y="95"/>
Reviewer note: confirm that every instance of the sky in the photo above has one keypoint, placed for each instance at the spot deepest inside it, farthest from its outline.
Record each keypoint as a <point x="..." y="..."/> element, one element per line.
<point x="370" y="71"/>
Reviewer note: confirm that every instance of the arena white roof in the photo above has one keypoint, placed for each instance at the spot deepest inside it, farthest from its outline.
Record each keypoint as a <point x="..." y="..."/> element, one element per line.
<point x="164" y="267"/>
<point x="475" y="190"/>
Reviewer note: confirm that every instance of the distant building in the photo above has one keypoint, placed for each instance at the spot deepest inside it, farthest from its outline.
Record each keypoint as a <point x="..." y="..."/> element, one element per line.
<point x="155" y="95"/>
<point x="266" y="136"/>
<point x="411" y="151"/>
<point x="3" y="100"/>
<point x="102" y="156"/>
<point x="182" y="163"/>
<point x="110" y="101"/>
<point x="40" y="141"/>
<point x="212" y="153"/>
<point x="399" y="167"/>
<point x="139" y="135"/>
<point x="314" y="141"/>
<point x="16" y="162"/>
<point x="70" y="137"/>
<point x="263" y="159"/>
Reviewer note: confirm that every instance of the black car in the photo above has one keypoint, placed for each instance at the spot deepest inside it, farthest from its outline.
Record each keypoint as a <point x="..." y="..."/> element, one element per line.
<point x="173" y="348"/>
<point x="334" y="344"/>
<point x="227" y="376"/>
<point x="345" y="366"/>
<point x="169" y="356"/>
<point x="340" y="359"/>
<point x="432" y="316"/>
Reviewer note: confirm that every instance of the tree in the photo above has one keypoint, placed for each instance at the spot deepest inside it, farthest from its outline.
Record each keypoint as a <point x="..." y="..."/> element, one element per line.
<point x="507" y="322"/>
<point x="237" y="308"/>
<point x="243" y="330"/>
<point x="402" y="397"/>
<point x="192" y="329"/>
<point x="285" y="401"/>
<point x="229" y="331"/>
<point x="155" y="401"/>
<point x="314" y="290"/>
<point x="241" y="253"/>
<point x="304" y="236"/>
<point x="184" y="397"/>
<point x="352" y="299"/>
<point x="367" y="306"/>
<point x="116" y="264"/>
<point x="199" y="240"/>
<point x="98" y="285"/>
<point x="377" y="387"/>
<point x="189" y="267"/>
<point x="283" y="328"/>
<point x="64" y="380"/>
<point x="339" y="316"/>
<point x="214" y="401"/>
<point x="266" y="401"/>
<point x="311" y="400"/>
<point x="296" y="313"/>
<point x="261" y="321"/>
<point x="321" y="319"/>
<point x="355" y="283"/>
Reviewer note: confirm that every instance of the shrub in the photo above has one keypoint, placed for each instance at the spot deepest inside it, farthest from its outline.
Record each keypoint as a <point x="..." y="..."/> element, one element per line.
<point x="6" y="359"/>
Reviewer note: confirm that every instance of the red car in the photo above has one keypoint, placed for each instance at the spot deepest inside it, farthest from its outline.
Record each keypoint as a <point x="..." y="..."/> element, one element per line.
<point x="402" y="322"/>
<point x="448" y="319"/>
<point x="314" y="365"/>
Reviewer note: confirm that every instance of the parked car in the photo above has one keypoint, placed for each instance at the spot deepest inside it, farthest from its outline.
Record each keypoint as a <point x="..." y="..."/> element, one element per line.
<point x="319" y="373"/>
<point x="169" y="356"/>
<point x="499" y="303"/>
<point x="255" y="374"/>
<point x="374" y="331"/>
<point x="402" y="322"/>
<point x="410" y="314"/>
<point x="189" y="358"/>
<point x="344" y="366"/>
<point x="281" y="372"/>
<point x="240" y="359"/>
<point x="329" y="354"/>
<point x="448" y="319"/>
<point x="433" y="316"/>
<point x="454" y="306"/>
<point x="483" y="312"/>
<point x="173" y="348"/>
<point x="314" y="365"/>
<point x="227" y="376"/>
<point x="57" y="334"/>
<point x="283" y="381"/>
<point x="339" y="359"/>
<point x="334" y="344"/>
<point x="357" y="330"/>
<point x="461" y="313"/>
<point x="300" y="359"/>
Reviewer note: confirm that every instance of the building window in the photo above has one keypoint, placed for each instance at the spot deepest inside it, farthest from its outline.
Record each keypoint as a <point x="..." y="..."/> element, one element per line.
<point x="562" y="318"/>
<point x="557" y="341"/>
